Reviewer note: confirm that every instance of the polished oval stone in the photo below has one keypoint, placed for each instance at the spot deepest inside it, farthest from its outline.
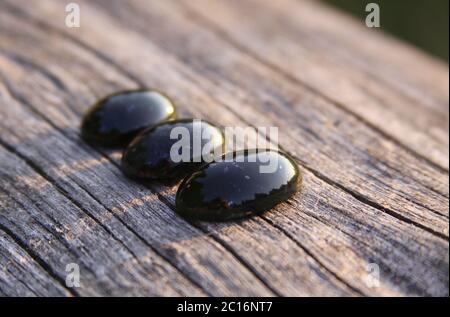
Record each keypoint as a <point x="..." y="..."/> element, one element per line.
<point x="117" y="118"/>
<point x="149" y="156"/>
<point x="232" y="189"/>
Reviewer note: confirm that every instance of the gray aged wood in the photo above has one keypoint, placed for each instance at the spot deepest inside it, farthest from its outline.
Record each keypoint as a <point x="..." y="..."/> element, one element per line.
<point x="365" y="116"/>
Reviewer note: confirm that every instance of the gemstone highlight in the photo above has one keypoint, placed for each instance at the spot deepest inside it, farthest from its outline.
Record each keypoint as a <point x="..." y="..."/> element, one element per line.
<point x="114" y="120"/>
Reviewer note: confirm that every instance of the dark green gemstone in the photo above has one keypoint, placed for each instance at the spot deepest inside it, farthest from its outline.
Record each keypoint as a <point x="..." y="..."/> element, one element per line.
<point x="116" y="119"/>
<point x="226" y="190"/>
<point x="149" y="157"/>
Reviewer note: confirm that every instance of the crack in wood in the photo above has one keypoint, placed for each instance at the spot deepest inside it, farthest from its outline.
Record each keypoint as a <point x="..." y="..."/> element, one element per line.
<point x="47" y="268"/>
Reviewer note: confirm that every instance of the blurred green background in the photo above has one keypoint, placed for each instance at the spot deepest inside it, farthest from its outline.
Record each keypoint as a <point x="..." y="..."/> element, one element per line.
<point x="423" y="23"/>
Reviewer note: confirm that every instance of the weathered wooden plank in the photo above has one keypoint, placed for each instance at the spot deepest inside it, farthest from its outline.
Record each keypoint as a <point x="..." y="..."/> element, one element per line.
<point x="179" y="242"/>
<point x="319" y="243"/>
<point x="20" y="274"/>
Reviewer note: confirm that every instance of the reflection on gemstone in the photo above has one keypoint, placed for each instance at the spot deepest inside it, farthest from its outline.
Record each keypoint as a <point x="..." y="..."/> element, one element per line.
<point x="116" y="119"/>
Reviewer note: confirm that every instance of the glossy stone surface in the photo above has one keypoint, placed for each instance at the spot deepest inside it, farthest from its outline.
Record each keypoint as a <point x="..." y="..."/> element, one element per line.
<point x="224" y="190"/>
<point x="149" y="155"/>
<point x="116" y="119"/>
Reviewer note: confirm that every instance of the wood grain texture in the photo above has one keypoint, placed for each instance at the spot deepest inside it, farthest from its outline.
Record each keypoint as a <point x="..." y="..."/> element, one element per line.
<point x="368" y="129"/>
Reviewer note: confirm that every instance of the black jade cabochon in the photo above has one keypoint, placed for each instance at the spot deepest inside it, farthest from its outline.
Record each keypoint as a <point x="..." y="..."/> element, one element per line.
<point x="225" y="190"/>
<point x="148" y="156"/>
<point x="117" y="118"/>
